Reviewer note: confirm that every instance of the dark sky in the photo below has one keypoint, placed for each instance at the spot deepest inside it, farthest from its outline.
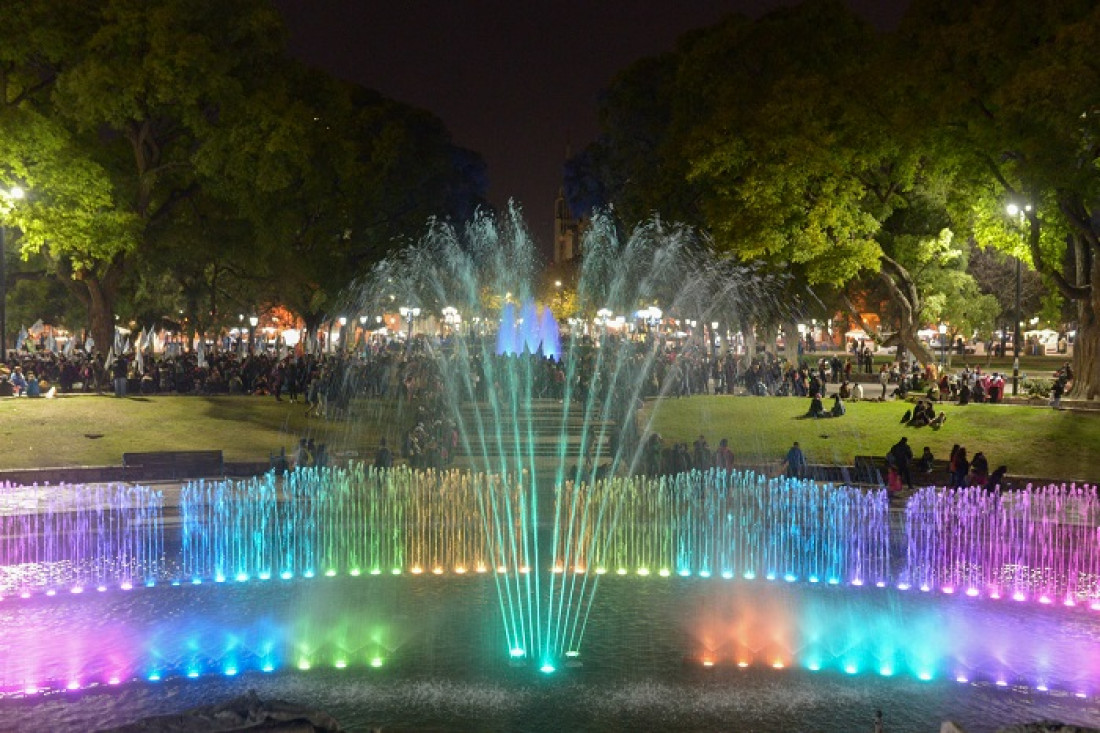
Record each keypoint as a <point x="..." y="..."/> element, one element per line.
<point x="515" y="80"/>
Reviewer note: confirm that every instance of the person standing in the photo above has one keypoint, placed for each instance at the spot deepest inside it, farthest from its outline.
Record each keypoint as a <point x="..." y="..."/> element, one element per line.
<point x="795" y="462"/>
<point x="902" y="454"/>
<point x="723" y="457"/>
<point x="883" y="379"/>
<point x="118" y="372"/>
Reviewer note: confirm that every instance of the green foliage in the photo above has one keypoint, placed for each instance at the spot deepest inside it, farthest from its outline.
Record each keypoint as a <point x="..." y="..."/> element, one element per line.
<point x="177" y="161"/>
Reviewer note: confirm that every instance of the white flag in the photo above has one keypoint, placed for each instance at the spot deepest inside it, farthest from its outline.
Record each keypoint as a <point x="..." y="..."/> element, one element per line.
<point x="69" y="346"/>
<point x="200" y="353"/>
<point x="21" y="338"/>
<point x="51" y="344"/>
<point x="89" y="345"/>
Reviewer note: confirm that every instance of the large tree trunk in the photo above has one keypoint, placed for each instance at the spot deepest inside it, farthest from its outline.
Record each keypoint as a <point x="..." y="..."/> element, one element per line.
<point x="101" y="314"/>
<point x="1086" y="347"/>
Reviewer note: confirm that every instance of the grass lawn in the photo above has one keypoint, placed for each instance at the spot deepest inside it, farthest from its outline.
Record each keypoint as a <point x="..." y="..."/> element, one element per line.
<point x="1032" y="441"/>
<point x="91" y="430"/>
<point x="94" y="430"/>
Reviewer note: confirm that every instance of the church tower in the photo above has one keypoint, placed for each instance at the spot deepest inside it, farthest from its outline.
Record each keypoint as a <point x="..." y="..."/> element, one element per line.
<point x="567" y="232"/>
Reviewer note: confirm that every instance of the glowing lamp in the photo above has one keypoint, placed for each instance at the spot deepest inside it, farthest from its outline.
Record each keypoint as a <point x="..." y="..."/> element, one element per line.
<point x="664" y="572"/>
<point x="154" y="677"/>
<point x="857" y="582"/>
<point x="547" y="668"/>
<point x="1042" y="688"/>
<point x="417" y="570"/>
<point x="397" y="571"/>
<point x="851" y="669"/>
<point x="192" y="674"/>
<point x="621" y="571"/>
<point x="516" y="653"/>
<point x="196" y="581"/>
<point x="340" y="664"/>
<point x="51" y="592"/>
<point x="307" y="574"/>
<point x="684" y="573"/>
<point x="924" y="676"/>
<point x="74" y="685"/>
<point x="948" y="589"/>
<point x="834" y="581"/>
<point x="972" y="592"/>
<point x="903" y="586"/>
<point x="813" y="579"/>
<point x="354" y="572"/>
<point x="1002" y="683"/>
<point x="886" y="671"/>
<point x="303" y="664"/>
<point x="242" y="577"/>
<point x="742" y="665"/>
<point x="750" y="576"/>
<point x="643" y="571"/>
<point x="727" y="574"/>
<point x="376" y="662"/>
<point x="557" y="569"/>
<point x="437" y="571"/>
<point x="269" y="667"/>
<point x="481" y="568"/>
<point x="790" y="578"/>
<point x="230" y="671"/>
<point x="704" y="573"/>
<point x="579" y="569"/>
<point x="525" y="569"/>
<point x="77" y="589"/>
<point x="502" y="569"/>
<point x="101" y="588"/>
<point x="961" y="679"/>
<point x="460" y="570"/>
<point x="708" y="662"/>
<point x="286" y="575"/>
<point x="1018" y="596"/>
<point x="572" y="654"/>
<point x="601" y="571"/>
<point x="778" y="664"/>
<point x="1044" y="600"/>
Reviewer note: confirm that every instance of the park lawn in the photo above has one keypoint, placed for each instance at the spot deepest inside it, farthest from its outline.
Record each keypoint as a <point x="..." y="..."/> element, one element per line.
<point x="90" y="430"/>
<point x="1032" y="441"/>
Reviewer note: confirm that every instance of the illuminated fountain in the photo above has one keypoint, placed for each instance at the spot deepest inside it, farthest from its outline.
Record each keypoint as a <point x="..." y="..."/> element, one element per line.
<point x="547" y="548"/>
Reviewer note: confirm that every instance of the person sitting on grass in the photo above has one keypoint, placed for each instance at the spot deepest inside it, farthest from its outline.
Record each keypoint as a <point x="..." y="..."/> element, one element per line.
<point x="923" y="414"/>
<point x="817" y="409"/>
<point x="837" y="408"/>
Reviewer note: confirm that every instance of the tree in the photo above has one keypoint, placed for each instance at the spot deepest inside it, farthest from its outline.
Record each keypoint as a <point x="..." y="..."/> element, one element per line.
<point x="1012" y="86"/>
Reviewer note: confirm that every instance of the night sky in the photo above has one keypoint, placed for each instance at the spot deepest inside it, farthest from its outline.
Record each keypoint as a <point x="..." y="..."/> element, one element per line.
<point x="516" y="81"/>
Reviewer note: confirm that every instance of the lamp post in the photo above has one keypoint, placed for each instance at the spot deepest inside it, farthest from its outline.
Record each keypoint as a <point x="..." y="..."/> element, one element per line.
<point x="409" y="314"/>
<point x="943" y="346"/>
<point x="253" y="321"/>
<point x="1015" y="212"/>
<point x="343" y="321"/>
<point x="13" y="194"/>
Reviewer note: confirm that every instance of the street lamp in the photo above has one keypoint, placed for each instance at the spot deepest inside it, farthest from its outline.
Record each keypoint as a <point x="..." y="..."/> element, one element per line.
<point x="343" y="321"/>
<point x="15" y="193"/>
<point x="252" y="323"/>
<point x="410" y="314"/>
<point x="943" y="346"/>
<point x="1015" y="212"/>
